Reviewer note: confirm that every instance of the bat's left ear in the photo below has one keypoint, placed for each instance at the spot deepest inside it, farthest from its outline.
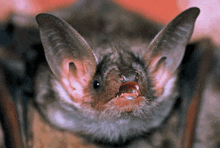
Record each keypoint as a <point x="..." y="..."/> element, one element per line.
<point x="166" y="51"/>
<point x="69" y="56"/>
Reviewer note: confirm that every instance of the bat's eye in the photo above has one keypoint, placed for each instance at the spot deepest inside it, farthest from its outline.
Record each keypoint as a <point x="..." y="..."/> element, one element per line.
<point x="96" y="84"/>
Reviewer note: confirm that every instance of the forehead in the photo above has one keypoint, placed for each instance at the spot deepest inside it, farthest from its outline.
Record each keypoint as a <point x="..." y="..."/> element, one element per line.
<point x="120" y="50"/>
<point x="119" y="62"/>
<point x="120" y="57"/>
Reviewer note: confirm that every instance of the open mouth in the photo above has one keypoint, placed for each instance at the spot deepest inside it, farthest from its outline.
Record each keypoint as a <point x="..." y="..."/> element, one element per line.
<point x="129" y="90"/>
<point x="128" y="98"/>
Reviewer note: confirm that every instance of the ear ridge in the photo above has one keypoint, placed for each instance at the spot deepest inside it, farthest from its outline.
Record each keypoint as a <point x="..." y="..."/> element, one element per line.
<point x="171" y="41"/>
<point x="64" y="45"/>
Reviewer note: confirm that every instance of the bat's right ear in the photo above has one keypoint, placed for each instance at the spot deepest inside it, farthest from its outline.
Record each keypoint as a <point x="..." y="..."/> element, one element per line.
<point x="166" y="51"/>
<point x="69" y="56"/>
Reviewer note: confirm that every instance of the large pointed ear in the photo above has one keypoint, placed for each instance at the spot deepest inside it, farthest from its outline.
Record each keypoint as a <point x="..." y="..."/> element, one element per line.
<point x="68" y="55"/>
<point x="168" y="47"/>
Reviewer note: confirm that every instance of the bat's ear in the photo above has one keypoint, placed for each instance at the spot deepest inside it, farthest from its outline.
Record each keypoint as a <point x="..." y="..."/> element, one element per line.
<point x="166" y="51"/>
<point x="69" y="56"/>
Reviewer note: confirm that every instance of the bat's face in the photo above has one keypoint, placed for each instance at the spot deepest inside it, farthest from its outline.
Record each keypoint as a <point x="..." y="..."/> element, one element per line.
<point x="120" y="83"/>
<point x="113" y="93"/>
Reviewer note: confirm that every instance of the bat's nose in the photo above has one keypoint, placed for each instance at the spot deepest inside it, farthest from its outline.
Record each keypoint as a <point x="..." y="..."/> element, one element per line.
<point x="133" y="77"/>
<point x="127" y="75"/>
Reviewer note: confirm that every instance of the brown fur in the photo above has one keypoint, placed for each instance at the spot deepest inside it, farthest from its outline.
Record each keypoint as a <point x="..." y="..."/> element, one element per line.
<point x="109" y="93"/>
<point x="43" y="135"/>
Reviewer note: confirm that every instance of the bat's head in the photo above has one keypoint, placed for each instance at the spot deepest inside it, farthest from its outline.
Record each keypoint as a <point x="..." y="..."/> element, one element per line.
<point x="121" y="92"/>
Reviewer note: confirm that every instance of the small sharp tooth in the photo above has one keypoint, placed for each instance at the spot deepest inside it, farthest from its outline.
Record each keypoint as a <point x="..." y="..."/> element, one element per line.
<point x="137" y="87"/>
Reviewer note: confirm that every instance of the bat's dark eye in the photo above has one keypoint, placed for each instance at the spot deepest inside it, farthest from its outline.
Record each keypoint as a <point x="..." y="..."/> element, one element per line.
<point x="96" y="84"/>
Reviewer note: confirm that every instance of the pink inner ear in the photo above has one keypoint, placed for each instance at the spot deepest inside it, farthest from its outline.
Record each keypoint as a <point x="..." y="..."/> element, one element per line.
<point x="159" y="73"/>
<point x="68" y="77"/>
<point x="72" y="67"/>
<point x="154" y="63"/>
<point x="79" y="68"/>
<point x="65" y="67"/>
<point x="72" y="78"/>
<point x="76" y="72"/>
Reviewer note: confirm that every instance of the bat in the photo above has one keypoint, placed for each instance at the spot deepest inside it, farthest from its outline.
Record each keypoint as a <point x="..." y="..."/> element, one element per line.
<point x="109" y="88"/>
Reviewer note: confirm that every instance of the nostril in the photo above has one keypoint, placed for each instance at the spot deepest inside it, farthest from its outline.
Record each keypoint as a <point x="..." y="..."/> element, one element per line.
<point x="137" y="77"/>
<point x="122" y="78"/>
